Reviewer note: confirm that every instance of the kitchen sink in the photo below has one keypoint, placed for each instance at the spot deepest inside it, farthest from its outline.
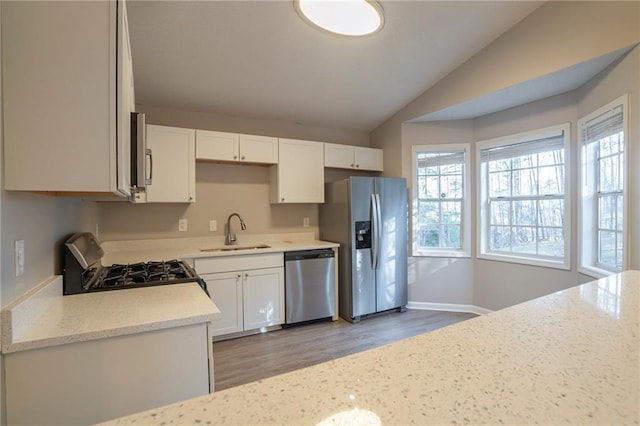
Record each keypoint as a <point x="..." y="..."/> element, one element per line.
<point x="231" y="248"/>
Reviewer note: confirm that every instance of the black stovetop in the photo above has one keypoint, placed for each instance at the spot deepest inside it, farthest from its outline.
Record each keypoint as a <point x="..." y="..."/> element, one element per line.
<point x="84" y="272"/>
<point x="136" y="275"/>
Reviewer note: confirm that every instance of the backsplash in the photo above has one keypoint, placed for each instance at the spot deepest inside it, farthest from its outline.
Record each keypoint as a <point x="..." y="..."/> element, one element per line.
<point x="221" y="189"/>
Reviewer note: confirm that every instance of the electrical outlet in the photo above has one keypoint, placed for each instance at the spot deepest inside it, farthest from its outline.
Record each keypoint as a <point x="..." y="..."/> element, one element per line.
<point x="213" y="225"/>
<point x="182" y="225"/>
<point x="305" y="222"/>
<point x="19" y="257"/>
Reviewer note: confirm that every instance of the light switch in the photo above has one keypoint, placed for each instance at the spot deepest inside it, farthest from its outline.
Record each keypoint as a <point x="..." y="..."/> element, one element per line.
<point x="305" y="222"/>
<point x="213" y="225"/>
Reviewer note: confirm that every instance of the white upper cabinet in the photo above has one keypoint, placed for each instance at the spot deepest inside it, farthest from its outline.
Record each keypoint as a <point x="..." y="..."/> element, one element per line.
<point x="258" y="149"/>
<point x="217" y="146"/>
<point x="299" y="175"/>
<point x="173" y="168"/>
<point x="67" y="97"/>
<point x="222" y="146"/>
<point x="368" y="158"/>
<point x="352" y="157"/>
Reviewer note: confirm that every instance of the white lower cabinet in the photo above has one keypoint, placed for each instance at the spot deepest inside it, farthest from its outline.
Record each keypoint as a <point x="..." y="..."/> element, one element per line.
<point x="249" y="298"/>
<point x="263" y="298"/>
<point x="93" y="381"/>
<point x="225" y="289"/>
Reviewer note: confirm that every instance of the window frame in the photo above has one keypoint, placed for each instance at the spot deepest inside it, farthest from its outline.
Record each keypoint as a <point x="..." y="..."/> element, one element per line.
<point x="465" y="223"/>
<point x="588" y="175"/>
<point x="483" y="214"/>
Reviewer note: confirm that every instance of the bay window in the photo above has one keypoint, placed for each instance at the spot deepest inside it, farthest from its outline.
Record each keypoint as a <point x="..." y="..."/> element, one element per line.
<point x="524" y="198"/>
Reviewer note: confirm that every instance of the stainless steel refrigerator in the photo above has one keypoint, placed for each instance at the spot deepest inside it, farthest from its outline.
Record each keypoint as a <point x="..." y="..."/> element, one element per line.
<point x="368" y="217"/>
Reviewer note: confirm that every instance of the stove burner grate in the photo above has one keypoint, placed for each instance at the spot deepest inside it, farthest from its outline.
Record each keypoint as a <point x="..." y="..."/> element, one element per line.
<point x="137" y="274"/>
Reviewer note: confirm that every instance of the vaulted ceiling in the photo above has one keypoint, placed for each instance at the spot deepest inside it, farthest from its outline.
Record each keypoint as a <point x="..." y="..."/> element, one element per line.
<point x="258" y="59"/>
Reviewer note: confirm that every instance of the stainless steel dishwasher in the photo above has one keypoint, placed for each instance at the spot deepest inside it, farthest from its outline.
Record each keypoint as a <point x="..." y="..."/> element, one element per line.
<point x="309" y="285"/>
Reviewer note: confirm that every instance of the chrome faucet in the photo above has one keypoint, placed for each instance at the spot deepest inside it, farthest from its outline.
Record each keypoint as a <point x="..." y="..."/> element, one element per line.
<point x="231" y="237"/>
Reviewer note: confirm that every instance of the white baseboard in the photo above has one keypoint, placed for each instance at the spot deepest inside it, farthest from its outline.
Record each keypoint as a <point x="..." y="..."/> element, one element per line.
<point x="449" y="307"/>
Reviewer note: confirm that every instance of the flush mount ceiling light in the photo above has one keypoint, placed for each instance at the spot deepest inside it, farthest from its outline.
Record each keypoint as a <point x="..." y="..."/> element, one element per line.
<point x="344" y="17"/>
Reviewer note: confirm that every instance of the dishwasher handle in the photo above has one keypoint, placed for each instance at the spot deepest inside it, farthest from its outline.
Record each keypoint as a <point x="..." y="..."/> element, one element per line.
<point x="308" y="254"/>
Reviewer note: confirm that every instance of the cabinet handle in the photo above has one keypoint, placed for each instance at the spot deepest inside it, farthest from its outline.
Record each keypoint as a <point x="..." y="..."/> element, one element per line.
<point x="352" y="164"/>
<point x="282" y="199"/>
<point x="149" y="153"/>
<point x="235" y="157"/>
<point x="239" y="276"/>
<point x="357" y="165"/>
<point x="246" y="275"/>
<point x="242" y="158"/>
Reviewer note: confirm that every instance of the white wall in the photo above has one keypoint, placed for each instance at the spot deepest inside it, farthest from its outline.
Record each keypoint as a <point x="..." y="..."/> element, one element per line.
<point x="556" y="36"/>
<point x="437" y="280"/>
<point x="43" y="223"/>
<point x="622" y="77"/>
<point x="228" y="123"/>
<point x="500" y="284"/>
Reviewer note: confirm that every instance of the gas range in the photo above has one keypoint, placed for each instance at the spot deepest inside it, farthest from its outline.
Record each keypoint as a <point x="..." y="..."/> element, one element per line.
<point x="84" y="272"/>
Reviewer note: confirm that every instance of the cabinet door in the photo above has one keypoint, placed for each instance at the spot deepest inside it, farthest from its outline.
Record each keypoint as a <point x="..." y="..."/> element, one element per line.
<point x="263" y="291"/>
<point x="299" y="175"/>
<point x="125" y="104"/>
<point x="219" y="146"/>
<point x="368" y="158"/>
<point x="61" y="132"/>
<point x="340" y="156"/>
<point x="258" y="149"/>
<point x="226" y="292"/>
<point x="173" y="177"/>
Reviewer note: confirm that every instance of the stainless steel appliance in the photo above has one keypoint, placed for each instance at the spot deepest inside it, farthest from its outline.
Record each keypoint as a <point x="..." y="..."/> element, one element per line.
<point x="309" y="285"/>
<point x="141" y="157"/>
<point x="368" y="217"/>
<point x="84" y="272"/>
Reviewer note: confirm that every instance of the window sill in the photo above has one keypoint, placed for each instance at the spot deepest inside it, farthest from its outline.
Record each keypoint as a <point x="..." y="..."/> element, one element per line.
<point x="441" y="253"/>
<point x="593" y="272"/>
<point x="526" y="261"/>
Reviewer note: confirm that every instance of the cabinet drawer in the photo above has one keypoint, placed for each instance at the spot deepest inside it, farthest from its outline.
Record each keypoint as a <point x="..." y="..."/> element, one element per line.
<point x="212" y="265"/>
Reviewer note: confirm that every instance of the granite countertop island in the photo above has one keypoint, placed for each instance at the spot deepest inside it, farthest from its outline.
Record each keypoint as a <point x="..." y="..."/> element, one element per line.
<point x="569" y="357"/>
<point x="45" y="317"/>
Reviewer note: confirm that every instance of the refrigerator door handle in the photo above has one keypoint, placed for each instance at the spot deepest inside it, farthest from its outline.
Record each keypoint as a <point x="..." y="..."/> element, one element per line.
<point x="374" y="232"/>
<point x="378" y="235"/>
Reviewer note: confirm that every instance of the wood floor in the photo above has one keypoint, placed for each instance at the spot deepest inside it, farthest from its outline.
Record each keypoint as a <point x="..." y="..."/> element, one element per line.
<point x="256" y="357"/>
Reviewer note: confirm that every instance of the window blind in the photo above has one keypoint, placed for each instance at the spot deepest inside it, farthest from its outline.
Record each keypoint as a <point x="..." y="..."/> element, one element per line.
<point x="606" y="124"/>
<point x="440" y="158"/>
<point x="519" y="149"/>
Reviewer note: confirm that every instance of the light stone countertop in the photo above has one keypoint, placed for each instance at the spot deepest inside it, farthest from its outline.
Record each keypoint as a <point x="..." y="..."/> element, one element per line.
<point x="91" y="316"/>
<point x="131" y="251"/>
<point x="44" y="317"/>
<point x="569" y="357"/>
